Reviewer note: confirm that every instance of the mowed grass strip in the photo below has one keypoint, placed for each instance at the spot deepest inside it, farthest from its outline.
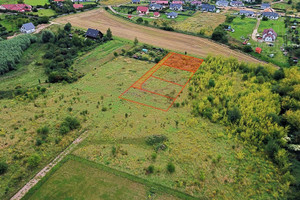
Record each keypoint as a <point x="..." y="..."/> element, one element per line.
<point x="77" y="178"/>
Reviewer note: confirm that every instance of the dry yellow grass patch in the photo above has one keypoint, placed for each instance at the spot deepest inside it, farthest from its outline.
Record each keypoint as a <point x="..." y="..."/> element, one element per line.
<point x="201" y="21"/>
<point x="113" y="2"/>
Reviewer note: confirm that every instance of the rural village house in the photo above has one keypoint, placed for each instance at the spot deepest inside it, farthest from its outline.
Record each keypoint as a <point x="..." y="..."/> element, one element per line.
<point x="265" y="5"/>
<point x="197" y="3"/>
<point x="208" y="7"/>
<point x="176" y="7"/>
<point x="249" y="1"/>
<point x="270" y="15"/>
<point x="178" y="2"/>
<point x="16" y="7"/>
<point x="163" y="3"/>
<point x="172" y="15"/>
<point x="222" y="3"/>
<point x="236" y="4"/>
<point x="269" y="35"/>
<point x="77" y="6"/>
<point x="154" y="6"/>
<point x="247" y="13"/>
<point x="143" y="10"/>
<point x="93" y="34"/>
<point x="156" y="14"/>
<point x="136" y="1"/>
<point x="27" y="28"/>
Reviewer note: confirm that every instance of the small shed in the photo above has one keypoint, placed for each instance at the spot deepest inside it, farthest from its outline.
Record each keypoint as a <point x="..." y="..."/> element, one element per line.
<point x="156" y="14"/>
<point x="258" y="50"/>
<point x="27" y="28"/>
<point x="93" y="34"/>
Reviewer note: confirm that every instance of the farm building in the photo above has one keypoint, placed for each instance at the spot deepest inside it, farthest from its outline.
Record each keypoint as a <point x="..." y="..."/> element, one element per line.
<point x="247" y="13"/>
<point x="270" y="15"/>
<point x="265" y="5"/>
<point x="176" y="7"/>
<point x="27" y="28"/>
<point x="208" y="7"/>
<point x="156" y="14"/>
<point x="143" y="10"/>
<point x="93" y="34"/>
<point x="16" y="7"/>
<point x="236" y="4"/>
<point x="172" y="15"/>
<point x="136" y="1"/>
<point x="222" y="3"/>
<point x="269" y="35"/>
<point x="77" y="6"/>
<point x="154" y="6"/>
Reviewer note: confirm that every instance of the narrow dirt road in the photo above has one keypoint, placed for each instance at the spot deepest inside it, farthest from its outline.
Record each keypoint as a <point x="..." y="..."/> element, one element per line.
<point x="21" y="193"/>
<point x="101" y="20"/>
<point x="255" y="30"/>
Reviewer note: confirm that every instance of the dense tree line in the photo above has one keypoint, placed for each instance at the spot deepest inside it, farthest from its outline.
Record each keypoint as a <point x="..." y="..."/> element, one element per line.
<point x="261" y="105"/>
<point x="12" y="50"/>
<point x="63" y="47"/>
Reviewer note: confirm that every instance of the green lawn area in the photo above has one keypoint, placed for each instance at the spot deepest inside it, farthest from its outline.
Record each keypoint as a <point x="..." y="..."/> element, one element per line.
<point x="242" y="27"/>
<point x="276" y="25"/>
<point x="45" y="12"/>
<point x="84" y="180"/>
<point x="8" y="2"/>
<point x="8" y="24"/>
<point x="36" y="2"/>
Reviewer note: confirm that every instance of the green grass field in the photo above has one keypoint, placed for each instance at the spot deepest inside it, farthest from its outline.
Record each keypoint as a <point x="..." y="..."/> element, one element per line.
<point x="45" y="12"/>
<point x="92" y="182"/>
<point x="36" y="2"/>
<point x="209" y="163"/>
<point x="242" y="28"/>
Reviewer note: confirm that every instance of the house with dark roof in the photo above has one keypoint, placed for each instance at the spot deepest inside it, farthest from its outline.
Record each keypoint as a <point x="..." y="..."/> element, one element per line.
<point x="136" y="1"/>
<point x="222" y="3"/>
<point x="208" y="7"/>
<point x="236" y="4"/>
<point x="176" y="7"/>
<point x="93" y="34"/>
<point x="265" y="5"/>
<point x="163" y="3"/>
<point x="154" y="6"/>
<point x="270" y="15"/>
<point x="27" y="28"/>
<point x="172" y="15"/>
<point x="247" y="13"/>
<point x="269" y="35"/>
<point x="142" y="10"/>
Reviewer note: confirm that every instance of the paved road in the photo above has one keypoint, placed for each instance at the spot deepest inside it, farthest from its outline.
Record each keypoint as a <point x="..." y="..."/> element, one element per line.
<point x="101" y="20"/>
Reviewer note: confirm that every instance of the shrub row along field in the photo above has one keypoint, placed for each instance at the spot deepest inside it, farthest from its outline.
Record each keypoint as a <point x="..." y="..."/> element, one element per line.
<point x="12" y="50"/>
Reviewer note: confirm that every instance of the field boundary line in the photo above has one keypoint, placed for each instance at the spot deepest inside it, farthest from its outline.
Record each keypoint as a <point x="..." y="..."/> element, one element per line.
<point x="167" y="81"/>
<point x="30" y="184"/>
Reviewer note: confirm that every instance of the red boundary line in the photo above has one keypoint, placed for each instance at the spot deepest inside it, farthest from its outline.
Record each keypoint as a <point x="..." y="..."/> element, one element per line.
<point x="153" y="92"/>
<point x="167" y="81"/>
<point x="174" y="99"/>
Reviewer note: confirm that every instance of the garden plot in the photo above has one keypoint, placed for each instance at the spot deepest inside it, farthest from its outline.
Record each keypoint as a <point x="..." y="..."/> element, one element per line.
<point x="162" y="84"/>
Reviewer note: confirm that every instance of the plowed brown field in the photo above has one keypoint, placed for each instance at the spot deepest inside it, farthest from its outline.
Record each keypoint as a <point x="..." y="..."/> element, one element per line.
<point x="102" y="20"/>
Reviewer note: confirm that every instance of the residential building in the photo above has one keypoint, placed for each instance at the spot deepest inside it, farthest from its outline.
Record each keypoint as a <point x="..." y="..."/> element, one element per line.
<point x="265" y="5"/>
<point x="208" y="7"/>
<point x="143" y="10"/>
<point x="176" y="7"/>
<point x="269" y="35"/>
<point x="236" y="4"/>
<point x="93" y="34"/>
<point x="222" y="3"/>
<point x="172" y="15"/>
<point x="16" y="7"/>
<point x="136" y="1"/>
<point x="247" y="13"/>
<point x="154" y="6"/>
<point x="270" y="15"/>
<point x="27" y="28"/>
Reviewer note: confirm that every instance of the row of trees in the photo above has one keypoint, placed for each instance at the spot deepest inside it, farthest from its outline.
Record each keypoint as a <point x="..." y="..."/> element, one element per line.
<point x="12" y="50"/>
<point x="260" y="104"/>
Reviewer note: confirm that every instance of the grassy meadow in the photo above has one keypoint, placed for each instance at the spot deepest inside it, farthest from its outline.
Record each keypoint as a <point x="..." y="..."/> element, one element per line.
<point x="209" y="161"/>
<point x="45" y="12"/>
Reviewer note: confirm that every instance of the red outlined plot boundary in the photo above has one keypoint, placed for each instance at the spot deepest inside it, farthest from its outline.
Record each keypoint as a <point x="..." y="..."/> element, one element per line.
<point x="167" y="61"/>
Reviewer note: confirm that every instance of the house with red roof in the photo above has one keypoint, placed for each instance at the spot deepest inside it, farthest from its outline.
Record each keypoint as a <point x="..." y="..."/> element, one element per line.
<point x="16" y="7"/>
<point x="178" y="2"/>
<point x="77" y="6"/>
<point x="269" y="35"/>
<point x="156" y="14"/>
<point x="142" y="10"/>
<point x="163" y="3"/>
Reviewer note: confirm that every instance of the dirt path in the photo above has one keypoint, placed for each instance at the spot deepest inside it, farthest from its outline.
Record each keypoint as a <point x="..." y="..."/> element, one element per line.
<point x="102" y="20"/>
<point x="38" y="29"/>
<point x="254" y="33"/>
<point x="21" y="193"/>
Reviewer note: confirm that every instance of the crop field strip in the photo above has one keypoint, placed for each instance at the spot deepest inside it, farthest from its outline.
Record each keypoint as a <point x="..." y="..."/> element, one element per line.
<point x="160" y="87"/>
